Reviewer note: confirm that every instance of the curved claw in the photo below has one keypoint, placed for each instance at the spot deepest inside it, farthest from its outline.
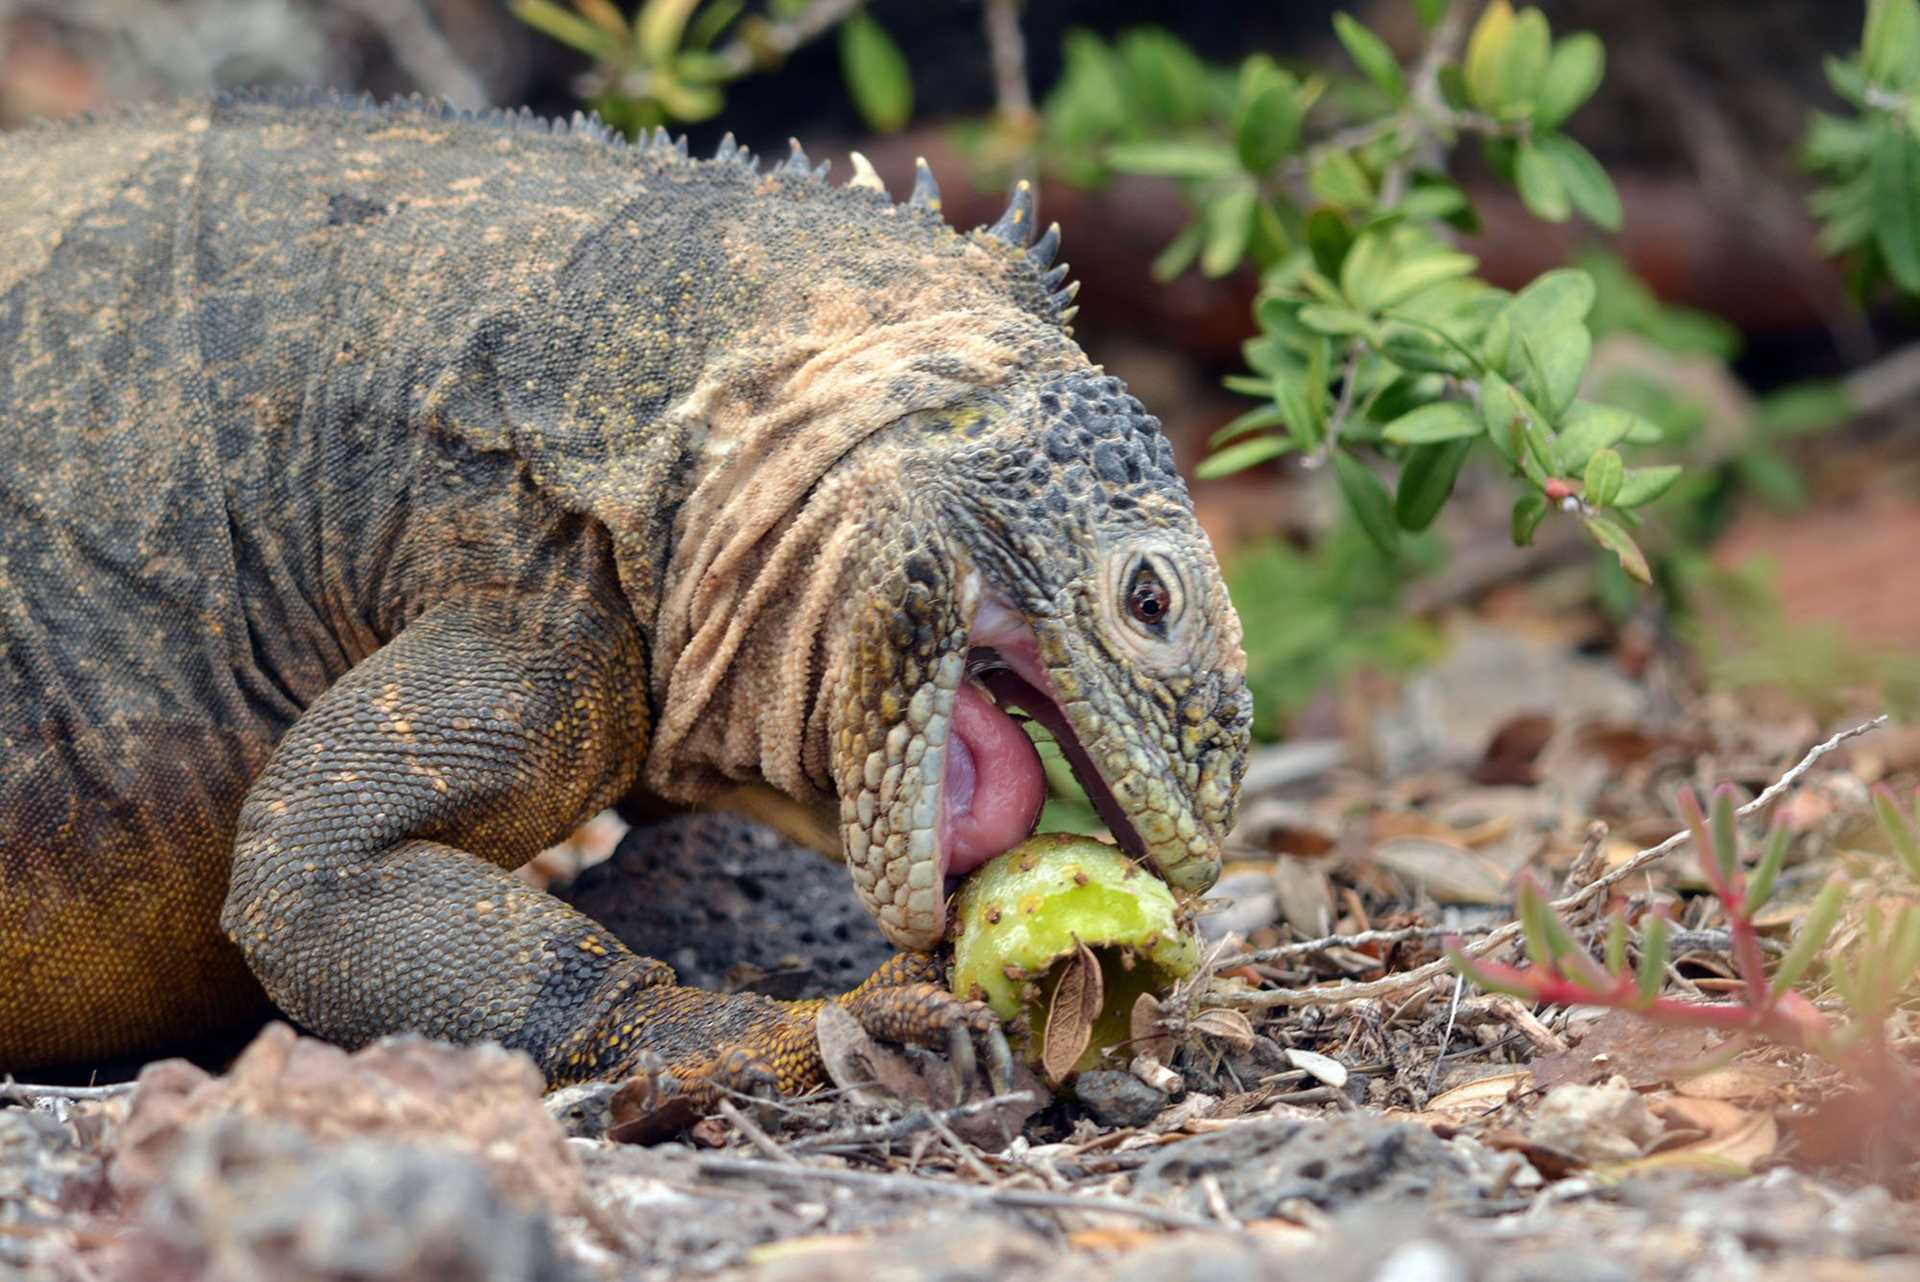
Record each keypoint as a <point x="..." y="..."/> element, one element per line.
<point x="960" y="1058"/>
<point x="999" y="1060"/>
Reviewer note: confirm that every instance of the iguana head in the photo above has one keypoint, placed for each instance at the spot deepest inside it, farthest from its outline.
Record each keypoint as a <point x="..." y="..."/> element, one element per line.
<point x="922" y="513"/>
<point x="1048" y="564"/>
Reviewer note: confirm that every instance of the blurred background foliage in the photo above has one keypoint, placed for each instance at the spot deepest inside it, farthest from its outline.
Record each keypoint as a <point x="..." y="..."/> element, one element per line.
<point x="1410" y="281"/>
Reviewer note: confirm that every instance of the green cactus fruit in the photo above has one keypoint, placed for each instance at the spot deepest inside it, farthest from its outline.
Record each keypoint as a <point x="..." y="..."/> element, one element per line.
<point x="1030" y="927"/>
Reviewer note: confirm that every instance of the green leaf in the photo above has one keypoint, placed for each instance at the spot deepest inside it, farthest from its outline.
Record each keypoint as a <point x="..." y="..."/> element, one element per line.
<point x="1726" y="836"/>
<point x="1585" y="182"/>
<point x="1256" y="419"/>
<point x="1413" y="350"/>
<point x="1558" y="298"/>
<point x="1229" y="220"/>
<point x="1815" y="927"/>
<point x="1612" y="536"/>
<point x="1367" y="497"/>
<point x="1899" y="829"/>
<point x="1558" y="360"/>
<point x="1327" y="318"/>
<point x="1412" y="275"/>
<point x="1654" y="949"/>
<point x="1528" y="510"/>
<point x="1642" y="485"/>
<point x="1584" y="428"/>
<point x="1426" y="481"/>
<point x="1173" y="159"/>
<point x="1604" y="470"/>
<point x="1541" y="188"/>
<point x="1435" y="198"/>
<point x="1180" y="252"/>
<point x="1336" y="177"/>
<point x="1430" y="11"/>
<point x="569" y="28"/>
<point x="1505" y="414"/>
<point x="876" y="73"/>
<point x="1365" y="268"/>
<point x="1435" y="421"/>
<point x="1371" y="55"/>
<point x="1486" y="51"/>
<point x="1890" y="43"/>
<point x="1846" y="78"/>
<point x="1896" y="204"/>
<point x="1767" y="871"/>
<point x="1267" y="125"/>
<point x="1242" y="455"/>
<point x="1573" y="73"/>
<point x="1328" y="239"/>
<point x="1523" y="64"/>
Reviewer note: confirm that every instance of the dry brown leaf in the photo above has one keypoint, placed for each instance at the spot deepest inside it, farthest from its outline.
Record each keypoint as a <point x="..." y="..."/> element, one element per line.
<point x="1145" y="1031"/>
<point x="1472" y="1100"/>
<point x="1735" y="1082"/>
<point x="1077" y="999"/>
<point x="1450" y="872"/>
<point x="1229" y="1026"/>
<point x="1727" y="1131"/>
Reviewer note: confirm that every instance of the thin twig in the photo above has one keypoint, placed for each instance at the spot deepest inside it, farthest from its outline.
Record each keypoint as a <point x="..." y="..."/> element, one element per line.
<point x="953" y="1190"/>
<point x="423" y="52"/>
<point x="1340" y="994"/>
<point x="762" y="1141"/>
<point x="1359" y="939"/>
<point x="1423" y="99"/>
<point x="1341" y="407"/>
<point x="866" y="1136"/>
<point x="962" y="1151"/>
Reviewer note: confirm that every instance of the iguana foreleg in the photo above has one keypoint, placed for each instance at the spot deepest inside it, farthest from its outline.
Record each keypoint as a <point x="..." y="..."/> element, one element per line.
<point x="370" y="891"/>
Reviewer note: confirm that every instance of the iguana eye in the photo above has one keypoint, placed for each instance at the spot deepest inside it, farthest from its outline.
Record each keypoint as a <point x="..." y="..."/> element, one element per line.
<point x="1149" y="600"/>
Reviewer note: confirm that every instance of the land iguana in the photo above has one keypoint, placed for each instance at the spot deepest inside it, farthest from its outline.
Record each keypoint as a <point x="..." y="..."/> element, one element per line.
<point x="385" y="490"/>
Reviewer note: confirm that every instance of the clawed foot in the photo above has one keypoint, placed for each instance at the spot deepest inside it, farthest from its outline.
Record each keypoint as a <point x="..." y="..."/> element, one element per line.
<point x="768" y="1049"/>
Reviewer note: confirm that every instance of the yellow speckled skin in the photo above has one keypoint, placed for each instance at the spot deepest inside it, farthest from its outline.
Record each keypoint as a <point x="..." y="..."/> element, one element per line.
<point x="382" y="492"/>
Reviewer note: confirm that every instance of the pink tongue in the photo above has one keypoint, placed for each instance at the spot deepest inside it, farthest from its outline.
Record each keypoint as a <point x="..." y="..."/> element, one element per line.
<point x="994" y="786"/>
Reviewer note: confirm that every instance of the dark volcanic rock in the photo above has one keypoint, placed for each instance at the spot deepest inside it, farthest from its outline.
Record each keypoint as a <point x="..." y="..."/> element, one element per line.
<point x="732" y="905"/>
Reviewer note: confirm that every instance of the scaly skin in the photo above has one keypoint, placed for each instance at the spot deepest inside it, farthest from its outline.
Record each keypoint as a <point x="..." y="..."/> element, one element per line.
<point x="384" y="492"/>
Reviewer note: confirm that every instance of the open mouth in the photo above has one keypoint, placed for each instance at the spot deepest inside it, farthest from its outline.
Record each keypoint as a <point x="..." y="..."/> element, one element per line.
<point x="995" y="786"/>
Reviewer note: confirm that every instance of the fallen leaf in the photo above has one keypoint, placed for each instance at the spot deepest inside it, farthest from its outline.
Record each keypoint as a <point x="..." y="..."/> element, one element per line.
<point x="1077" y="999"/>
<point x="1622" y="1043"/>
<point x="1735" y="1082"/>
<point x="1726" y="1131"/>
<point x="1225" y="1024"/>
<point x="1513" y="748"/>
<point x="1449" y="872"/>
<point x="1553" y="1162"/>
<point x="870" y="1073"/>
<point x="1145" y="1030"/>
<point x="1473" y="1100"/>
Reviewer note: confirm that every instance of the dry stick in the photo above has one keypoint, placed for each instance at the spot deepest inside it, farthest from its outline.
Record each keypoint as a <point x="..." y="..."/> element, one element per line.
<point x="916" y="1186"/>
<point x="1360" y="939"/>
<point x="1340" y="994"/>
<point x="862" y="1136"/>
<point x="751" y="1129"/>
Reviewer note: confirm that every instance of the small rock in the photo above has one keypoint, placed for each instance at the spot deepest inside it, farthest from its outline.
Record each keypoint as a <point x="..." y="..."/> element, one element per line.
<point x="1117" y="1099"/>
<point x="584" y="1111"/>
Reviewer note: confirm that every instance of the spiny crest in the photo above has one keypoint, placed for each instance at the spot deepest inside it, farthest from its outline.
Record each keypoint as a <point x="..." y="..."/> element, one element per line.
<point x="1014" y="228"/>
